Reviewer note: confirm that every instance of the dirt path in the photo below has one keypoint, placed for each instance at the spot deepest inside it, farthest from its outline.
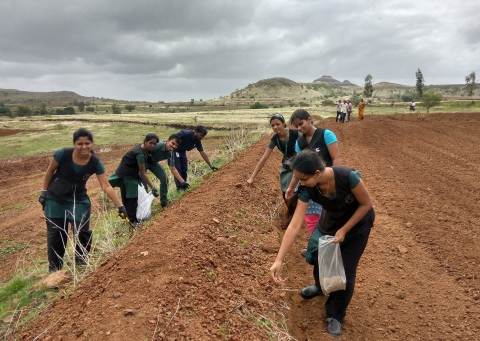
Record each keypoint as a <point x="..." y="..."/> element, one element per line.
<point x="205" y="276"/>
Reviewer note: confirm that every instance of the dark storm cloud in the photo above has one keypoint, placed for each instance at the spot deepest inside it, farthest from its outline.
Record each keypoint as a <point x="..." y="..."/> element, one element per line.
<point x="170" y="50"/>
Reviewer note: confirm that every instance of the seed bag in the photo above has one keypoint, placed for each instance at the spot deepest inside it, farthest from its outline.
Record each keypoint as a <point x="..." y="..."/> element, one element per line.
<point x="144" y="208"/>
<point x="331" y="270"/>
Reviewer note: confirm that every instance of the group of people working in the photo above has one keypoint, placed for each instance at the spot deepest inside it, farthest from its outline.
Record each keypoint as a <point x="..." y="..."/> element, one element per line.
<point x="64" y="196"/>
<point x="331" y="199"/>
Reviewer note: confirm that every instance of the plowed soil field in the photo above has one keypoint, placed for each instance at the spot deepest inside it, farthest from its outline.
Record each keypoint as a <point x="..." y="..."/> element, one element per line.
<point x="199" y="271"/>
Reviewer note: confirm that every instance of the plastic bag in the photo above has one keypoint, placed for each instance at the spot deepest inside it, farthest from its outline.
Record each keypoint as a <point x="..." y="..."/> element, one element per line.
<point x="331" y="271"/>
<point x="144" y="208"/>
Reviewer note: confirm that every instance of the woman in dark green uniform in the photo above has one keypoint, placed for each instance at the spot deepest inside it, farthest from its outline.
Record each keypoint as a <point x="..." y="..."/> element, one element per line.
<point x="164" y="151"/>
<point x="64" y="198"/>
<point x="284" y="139"/>
<point x="347" y="215"/>
<point x="131" y="172"/>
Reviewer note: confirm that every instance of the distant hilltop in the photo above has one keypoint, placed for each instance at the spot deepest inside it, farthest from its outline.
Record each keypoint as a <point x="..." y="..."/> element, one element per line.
<point x="332" y="81"/>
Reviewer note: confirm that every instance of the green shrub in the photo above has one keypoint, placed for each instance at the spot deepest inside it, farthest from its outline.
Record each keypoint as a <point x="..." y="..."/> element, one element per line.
<point x="258" y="105"/>
<point x="129" y="107"/>
<point x="23" y="110"/>
<point x="116" y="109"/>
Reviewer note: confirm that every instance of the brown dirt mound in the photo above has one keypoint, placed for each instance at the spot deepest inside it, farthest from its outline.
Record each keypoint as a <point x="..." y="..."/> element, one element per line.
<point x="205" y="276"/>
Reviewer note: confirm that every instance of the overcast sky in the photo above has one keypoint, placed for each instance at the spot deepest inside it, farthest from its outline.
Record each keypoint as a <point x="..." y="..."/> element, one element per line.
<point x="170" y="50"/>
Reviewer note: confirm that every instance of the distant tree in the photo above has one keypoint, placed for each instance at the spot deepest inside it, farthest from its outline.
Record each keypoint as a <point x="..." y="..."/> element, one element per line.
<point x="4" y="111"/>
<point x="42" y="110"/>
<point x="23" y="110"/>
<point x="431" y="99"/>
<point x="420" y="85"/>
<point x="81" y="106"/>
<point x="129" y="107"/>
<point x="90" y="109"/>
<point x="69" y="111"/>
<point x="471" y="85"/>
<point x="116" y="109"/>
<point x="368" y="88"/>
<point x="409" y="96"/>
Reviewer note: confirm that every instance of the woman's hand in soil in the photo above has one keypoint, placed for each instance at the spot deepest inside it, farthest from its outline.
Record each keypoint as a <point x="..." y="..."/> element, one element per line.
<point x="275" y="272"/>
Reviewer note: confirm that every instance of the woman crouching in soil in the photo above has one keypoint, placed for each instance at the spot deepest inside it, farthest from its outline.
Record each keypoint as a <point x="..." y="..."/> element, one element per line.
<point x="64" y="198"/>
<point x="131" y="172"/>
<point x="284" y="139"/>
<point x="347" y="215"/>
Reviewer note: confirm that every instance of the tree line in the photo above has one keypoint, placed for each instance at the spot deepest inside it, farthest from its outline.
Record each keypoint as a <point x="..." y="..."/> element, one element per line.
<point x="428" y="99"/>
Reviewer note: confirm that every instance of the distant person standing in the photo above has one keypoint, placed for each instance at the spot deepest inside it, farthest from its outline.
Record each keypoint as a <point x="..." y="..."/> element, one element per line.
<point x="349" y="109"/>
<point x="344" y="111"/>
<point x="339" y="111"/>
<point x="361" y="109"/>
<point x="190" y="139"/>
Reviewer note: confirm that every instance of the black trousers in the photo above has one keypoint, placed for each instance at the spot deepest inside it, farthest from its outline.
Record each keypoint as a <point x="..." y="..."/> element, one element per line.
<point x="181" y="164"/>
<point x="352" y="249"/>
<point x="57" y="237"/>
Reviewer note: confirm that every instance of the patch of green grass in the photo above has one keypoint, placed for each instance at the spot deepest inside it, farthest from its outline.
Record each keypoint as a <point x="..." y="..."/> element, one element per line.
<point x="17" y="294"/>
<point x="7" y="247"/>
<point x="223" y="330"/>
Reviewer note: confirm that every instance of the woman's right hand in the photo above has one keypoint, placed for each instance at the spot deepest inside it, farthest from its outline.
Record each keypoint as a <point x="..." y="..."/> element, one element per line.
<point x="275" y="272"/>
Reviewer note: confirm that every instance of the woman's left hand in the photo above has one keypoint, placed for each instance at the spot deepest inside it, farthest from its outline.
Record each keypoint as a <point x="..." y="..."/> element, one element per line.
<point x="339" y="236"/>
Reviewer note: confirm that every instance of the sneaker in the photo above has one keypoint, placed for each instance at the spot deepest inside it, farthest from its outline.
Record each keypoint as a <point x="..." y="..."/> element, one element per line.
<point x="334" y="328"/>
<point x="136" y="225"/>
<point x="303" y="252"/>
<point x="310" y="292"/>
<point x="165" y="202"/>
<point x="80" y="262"/>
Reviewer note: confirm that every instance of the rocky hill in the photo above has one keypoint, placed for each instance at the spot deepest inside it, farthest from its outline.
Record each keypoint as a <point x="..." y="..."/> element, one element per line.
<point x="52" y="99"/>
<point x="274" y="92"/>
<point x="332" y="81"/>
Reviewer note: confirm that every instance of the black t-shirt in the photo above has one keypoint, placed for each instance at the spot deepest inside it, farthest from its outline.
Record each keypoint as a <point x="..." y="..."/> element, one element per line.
<point x="338" y="208"/>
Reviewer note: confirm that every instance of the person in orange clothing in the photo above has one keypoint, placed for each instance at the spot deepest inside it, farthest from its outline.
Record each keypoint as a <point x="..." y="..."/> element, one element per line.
<point x="361" y="109"/>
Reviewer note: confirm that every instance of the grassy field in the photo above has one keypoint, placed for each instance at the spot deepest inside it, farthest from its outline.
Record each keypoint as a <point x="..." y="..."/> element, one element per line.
<point x="45" y="133"/>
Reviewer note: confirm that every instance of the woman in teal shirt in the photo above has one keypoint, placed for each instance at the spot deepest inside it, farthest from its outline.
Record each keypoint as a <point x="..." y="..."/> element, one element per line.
<point x="284" y="139"/>
<point x="64" y="198"/>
